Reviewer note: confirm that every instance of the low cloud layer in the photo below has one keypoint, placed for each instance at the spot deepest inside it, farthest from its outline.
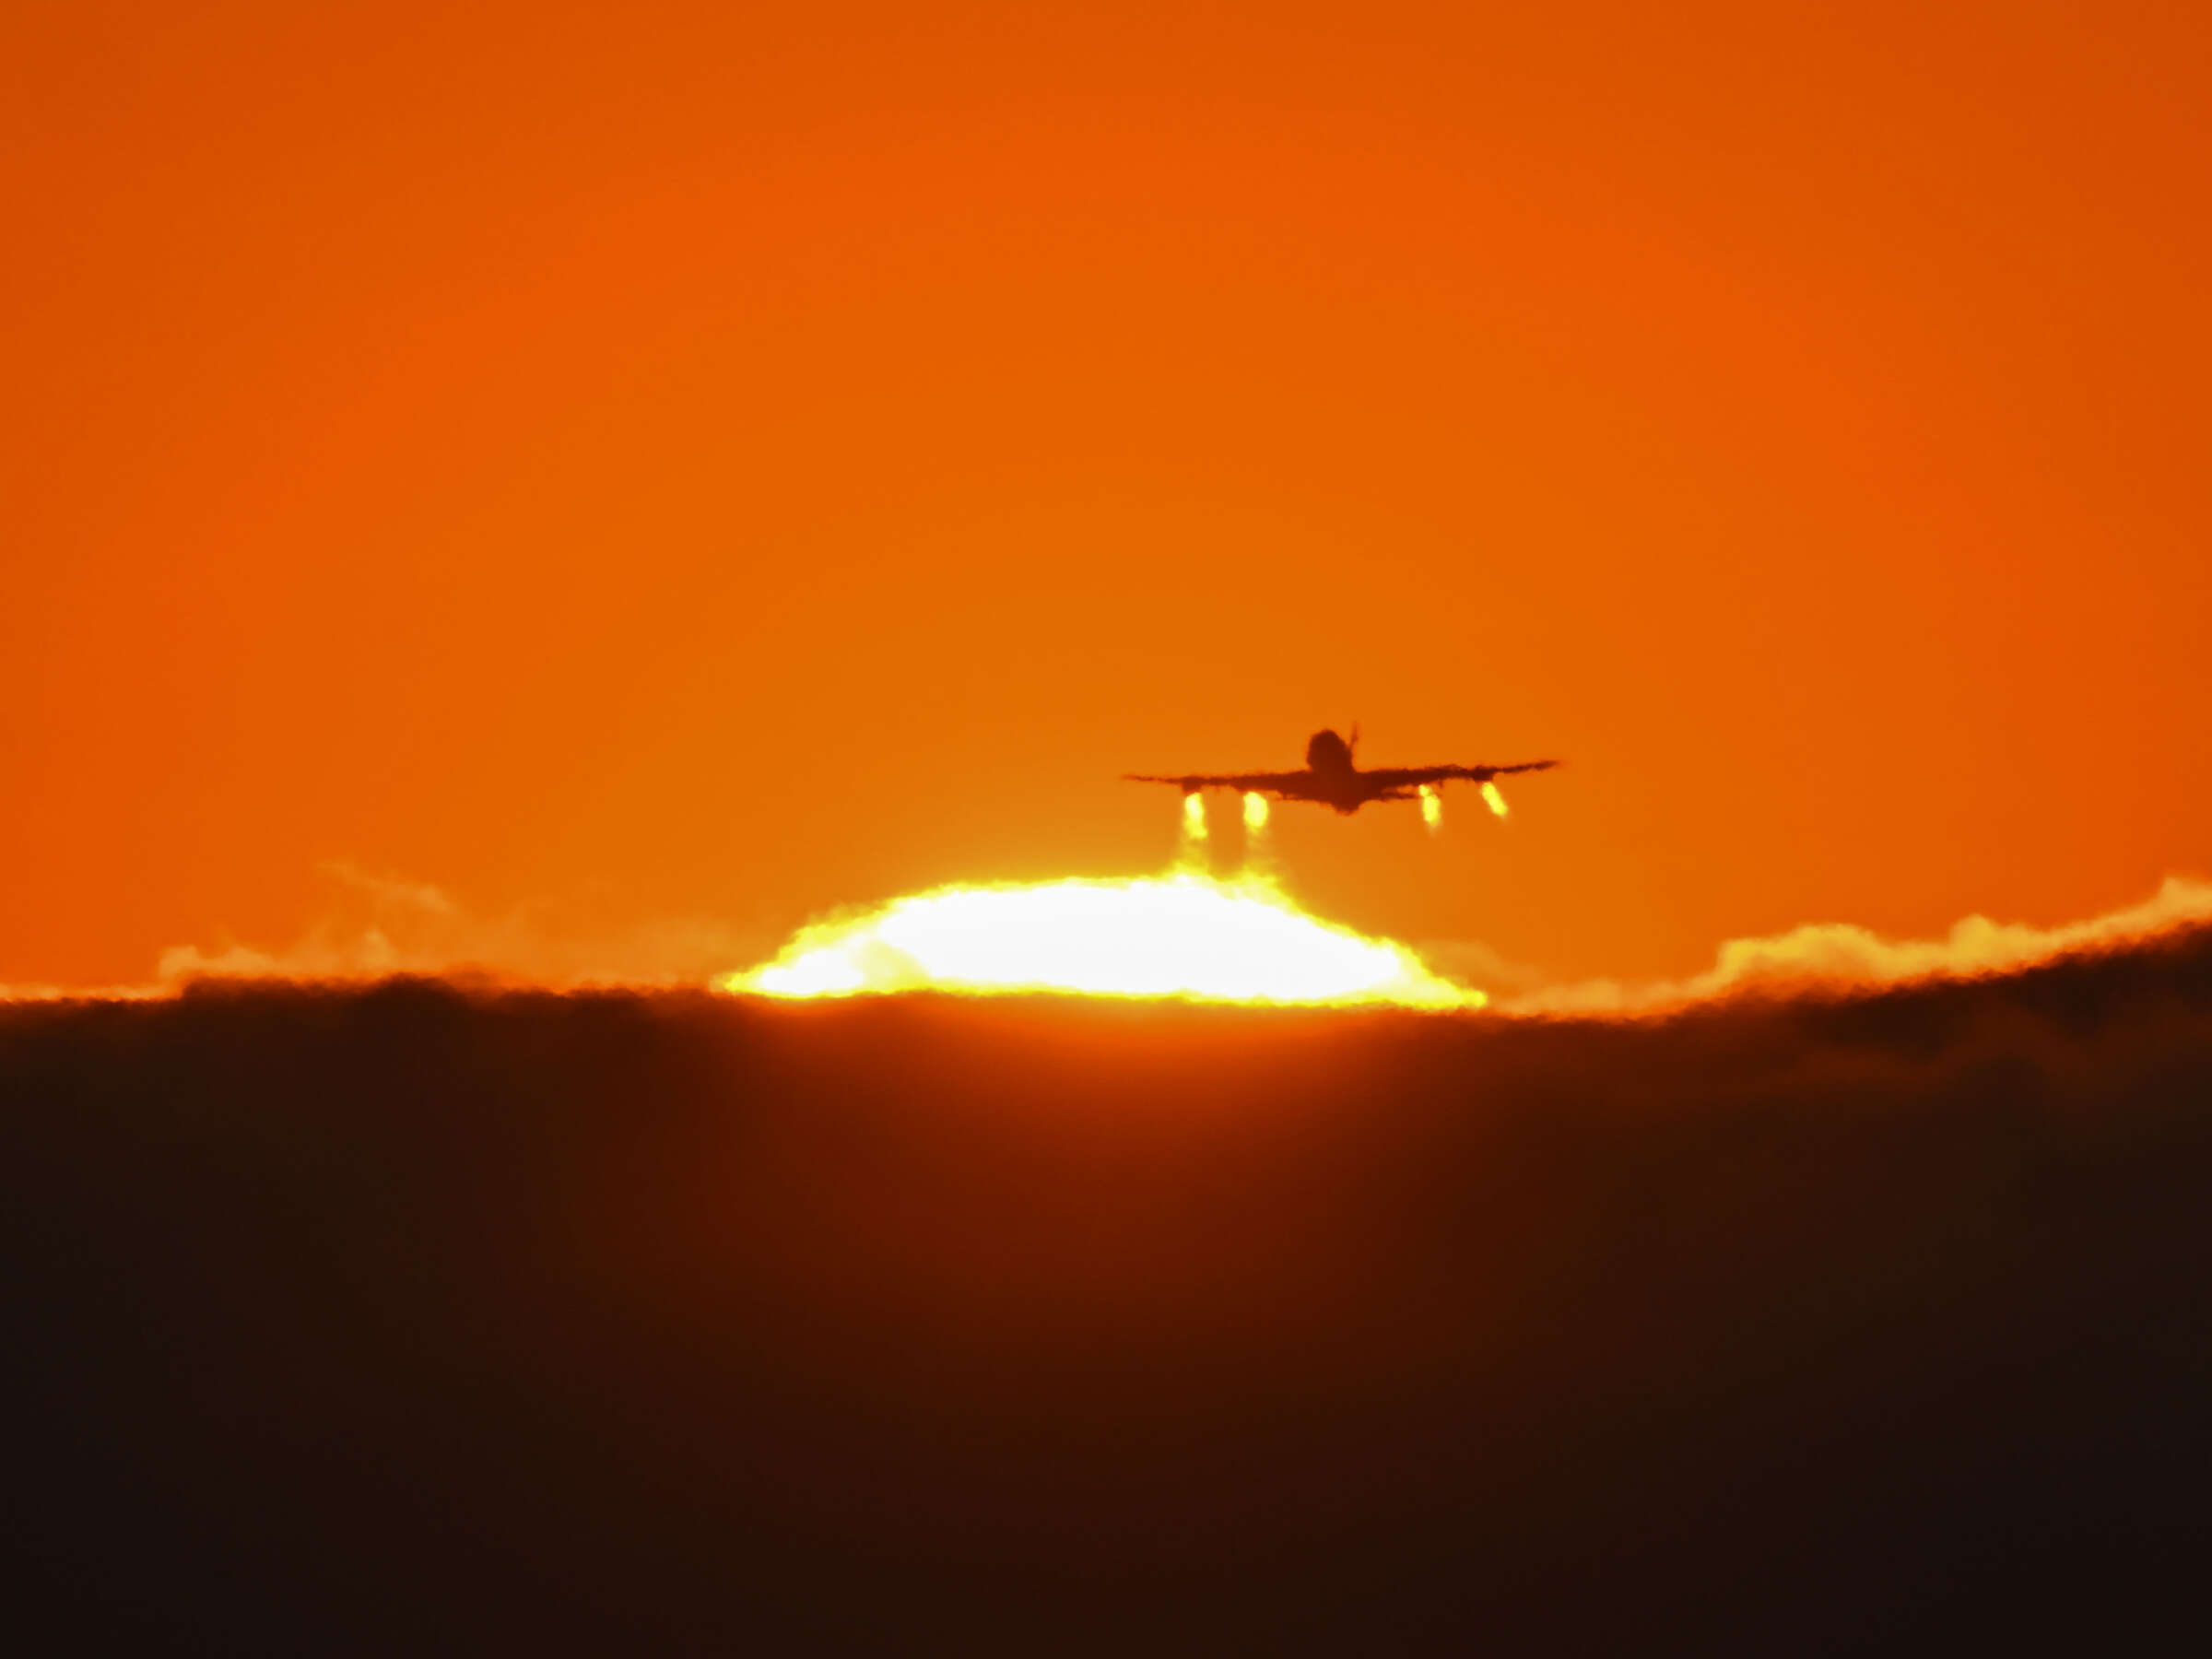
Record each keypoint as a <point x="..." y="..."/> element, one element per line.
<point x="379" y="926"/>
<point x="415" y="1317"/>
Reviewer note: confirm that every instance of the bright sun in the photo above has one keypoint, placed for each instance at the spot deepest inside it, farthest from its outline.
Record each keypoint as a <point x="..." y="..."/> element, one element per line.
<point x="1181" y="936"/>
<point x="1186" y="935"/>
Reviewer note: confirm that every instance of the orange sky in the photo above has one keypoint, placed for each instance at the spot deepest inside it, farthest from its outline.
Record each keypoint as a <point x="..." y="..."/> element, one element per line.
<point x="719" y="461"/>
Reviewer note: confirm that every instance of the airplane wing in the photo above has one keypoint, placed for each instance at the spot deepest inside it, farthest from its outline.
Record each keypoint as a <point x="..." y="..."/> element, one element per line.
<point x="1283" y="787"/>
<point x="1409" y="777"/>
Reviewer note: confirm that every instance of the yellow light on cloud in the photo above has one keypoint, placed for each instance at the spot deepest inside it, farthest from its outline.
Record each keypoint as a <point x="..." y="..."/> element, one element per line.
<point x="1185" y="936"/>
<point x="1255" y="811"/>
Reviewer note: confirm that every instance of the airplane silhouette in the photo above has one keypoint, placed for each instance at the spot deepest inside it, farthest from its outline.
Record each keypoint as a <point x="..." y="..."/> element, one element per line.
<point x="1333" y="779"/>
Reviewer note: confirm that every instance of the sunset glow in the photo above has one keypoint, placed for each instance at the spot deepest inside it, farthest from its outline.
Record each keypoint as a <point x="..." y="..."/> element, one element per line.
<point x="574" y="455"/>
<point x="1184" y="935"/>
<point x="725" y="910"/>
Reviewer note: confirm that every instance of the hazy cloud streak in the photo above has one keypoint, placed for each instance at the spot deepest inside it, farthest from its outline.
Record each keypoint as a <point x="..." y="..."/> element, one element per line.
<point x="1839" y="954"/>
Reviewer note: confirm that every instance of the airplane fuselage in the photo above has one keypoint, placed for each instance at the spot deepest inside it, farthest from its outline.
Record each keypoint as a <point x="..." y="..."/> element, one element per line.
<point x="1337" y="780"/>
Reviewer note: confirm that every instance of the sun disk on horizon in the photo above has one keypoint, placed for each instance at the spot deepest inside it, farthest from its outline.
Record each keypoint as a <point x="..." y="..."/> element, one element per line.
<point x="1184" y="935"/>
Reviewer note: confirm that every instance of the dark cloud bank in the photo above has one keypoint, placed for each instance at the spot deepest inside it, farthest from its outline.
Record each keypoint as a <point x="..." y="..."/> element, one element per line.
<point x="395" y="1318"/>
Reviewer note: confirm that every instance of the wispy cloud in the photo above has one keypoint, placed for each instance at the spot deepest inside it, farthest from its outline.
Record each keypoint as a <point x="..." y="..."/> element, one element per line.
<point x="381" y="924"/>
<point x="1826" y="953"/>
